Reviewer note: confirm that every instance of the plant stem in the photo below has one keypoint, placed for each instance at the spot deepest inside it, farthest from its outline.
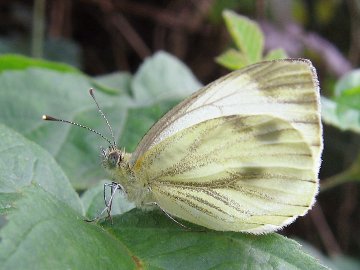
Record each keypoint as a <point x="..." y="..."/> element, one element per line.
<point x="37" y="44"/>
<point x="351" y="174"/>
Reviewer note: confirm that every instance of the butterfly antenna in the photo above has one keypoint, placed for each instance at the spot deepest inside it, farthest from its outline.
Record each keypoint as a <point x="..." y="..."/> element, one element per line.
<point x="91" y="91"/>
<point x="50" y="118"/>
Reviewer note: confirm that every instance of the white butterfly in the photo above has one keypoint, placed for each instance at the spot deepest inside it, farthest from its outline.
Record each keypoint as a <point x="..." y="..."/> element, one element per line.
<point x="242" y="154"/>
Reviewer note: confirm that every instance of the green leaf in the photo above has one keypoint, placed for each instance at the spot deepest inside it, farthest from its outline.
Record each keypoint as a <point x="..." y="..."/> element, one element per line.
<point x="335" y="262"/>
<point x="44" y="233"/>
<point x="276" y="54"/>
<point x="232" y="59"/>
<point x="27" y="94"/>
<point x="119" y="82"/>
<point x="348" y="81"/>
<point x="246" y="35"/>
<point x="17" y="62"/>
<point x="23" y="163"/>
<point x="347" y="90"/>
<point x="349" y="99"/>
<point x="343" y="111"/>
<point x="160" y="243"/>
<point x="336" y="115"/>
<point x="140" y="120"/>
<point x="163" y="77"/>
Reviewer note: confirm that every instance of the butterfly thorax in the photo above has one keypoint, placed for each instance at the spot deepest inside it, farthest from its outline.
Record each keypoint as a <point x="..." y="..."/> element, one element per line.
<point x="117" y="164"/>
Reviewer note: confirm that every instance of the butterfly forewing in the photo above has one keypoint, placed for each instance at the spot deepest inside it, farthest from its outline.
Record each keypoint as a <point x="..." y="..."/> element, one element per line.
<point x="286" y="89"/>
<point x="251" y="173"/>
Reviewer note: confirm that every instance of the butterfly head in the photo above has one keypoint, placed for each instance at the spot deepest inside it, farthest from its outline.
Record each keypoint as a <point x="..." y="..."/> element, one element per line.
<point x="112" y="157"/>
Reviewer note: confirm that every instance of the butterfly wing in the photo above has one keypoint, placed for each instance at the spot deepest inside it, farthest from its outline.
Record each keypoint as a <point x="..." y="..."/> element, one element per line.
<point x="251" y="173"/>
<point x="287" y="89"/>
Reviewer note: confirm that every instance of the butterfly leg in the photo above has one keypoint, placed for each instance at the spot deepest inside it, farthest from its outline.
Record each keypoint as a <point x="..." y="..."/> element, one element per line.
<point x="108" y="203"/>
<point x="169" y="216"/>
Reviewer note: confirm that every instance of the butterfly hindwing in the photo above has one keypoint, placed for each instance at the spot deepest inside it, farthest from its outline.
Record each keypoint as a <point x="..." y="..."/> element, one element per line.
<point x="251" y="173"/>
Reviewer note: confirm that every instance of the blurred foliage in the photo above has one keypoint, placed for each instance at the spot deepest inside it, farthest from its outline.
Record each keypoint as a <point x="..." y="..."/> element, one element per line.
<point x="343" y="109"/>
<point x="249" y="41"/>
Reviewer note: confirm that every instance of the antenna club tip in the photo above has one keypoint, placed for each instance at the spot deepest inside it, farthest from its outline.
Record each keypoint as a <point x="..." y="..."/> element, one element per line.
<point x="47" y="117"/>
<point x="91" y="91"/>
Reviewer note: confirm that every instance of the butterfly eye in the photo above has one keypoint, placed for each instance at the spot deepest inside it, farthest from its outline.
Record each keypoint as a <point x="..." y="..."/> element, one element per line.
<point x="113" y="159"/>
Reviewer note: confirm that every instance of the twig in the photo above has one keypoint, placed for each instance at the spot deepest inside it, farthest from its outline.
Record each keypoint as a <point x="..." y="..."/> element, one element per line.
<point x="325" y="233"/>
<point x="354" y="51"/>
<point x="349" y="175"/>
<point x="37" y="44"/>
<point x="130" y="35"/>
<point x="293" y="39"/>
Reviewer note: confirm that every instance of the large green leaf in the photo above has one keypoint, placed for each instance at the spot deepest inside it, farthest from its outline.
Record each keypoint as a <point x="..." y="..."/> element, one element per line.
<point x="23" y="164"/>
<point x="160" y="243"/>
<point x="45" y="230"/>
<point x="120" y="82"/>
<point x="163" y="77"/>
<point x="28" y="93"/>
<point x="44" y="233"/>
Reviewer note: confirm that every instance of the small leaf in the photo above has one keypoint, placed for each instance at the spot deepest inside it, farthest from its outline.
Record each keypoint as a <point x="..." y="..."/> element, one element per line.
<point x="276" y="54"/>
<point x="343" y="111"/>
<point x="337" y="115"/>
<point x="246" y="35"/>
<point x="232" y="59"/>
<point x="348" y="81"/>
<point x="350" y="98"/>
